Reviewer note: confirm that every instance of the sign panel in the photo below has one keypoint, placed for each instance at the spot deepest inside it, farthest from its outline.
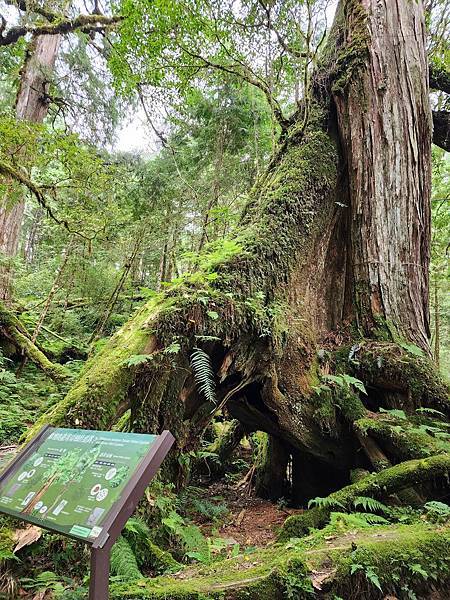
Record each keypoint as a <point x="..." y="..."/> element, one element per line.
<point x="70" y="480"/>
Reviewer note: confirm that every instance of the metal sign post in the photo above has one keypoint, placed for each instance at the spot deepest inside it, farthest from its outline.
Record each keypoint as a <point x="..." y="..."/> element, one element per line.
<point x="99" y="580"/>
<point x="38" y="486"/>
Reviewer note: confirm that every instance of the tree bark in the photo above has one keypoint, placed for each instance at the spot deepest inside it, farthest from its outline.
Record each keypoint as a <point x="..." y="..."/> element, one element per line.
<point x="385" y="127"/>
<point x="31" y="105"/>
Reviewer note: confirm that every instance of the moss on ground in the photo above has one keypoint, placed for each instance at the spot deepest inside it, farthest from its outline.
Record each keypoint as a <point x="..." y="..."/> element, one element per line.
<point x="393" y="556"/>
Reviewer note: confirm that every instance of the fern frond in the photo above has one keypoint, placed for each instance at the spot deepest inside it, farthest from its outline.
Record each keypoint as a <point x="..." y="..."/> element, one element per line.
<point x="203" y="374"/>
<point x="356" y="519"/>
<point x="327" y="502"/>
<point x="123" y="561"/>
<point x="370" y="504"/>
<point x="372" y="519"/>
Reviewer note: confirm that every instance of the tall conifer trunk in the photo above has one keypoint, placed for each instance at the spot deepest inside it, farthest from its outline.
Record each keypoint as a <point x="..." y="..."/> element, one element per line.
<point x="31" y="105"/>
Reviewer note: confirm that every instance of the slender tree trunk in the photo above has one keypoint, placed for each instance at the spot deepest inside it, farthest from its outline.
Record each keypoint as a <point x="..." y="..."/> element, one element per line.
<point x="31" y="105"/>
<point x="51" y="294"/>
<point x="437" y="324"/>
<point x="115" y="294"/>
<point x="33" y="236"/>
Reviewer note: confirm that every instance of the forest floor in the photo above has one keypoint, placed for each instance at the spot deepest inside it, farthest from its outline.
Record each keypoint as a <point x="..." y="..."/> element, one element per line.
<point x="251" y="521"/>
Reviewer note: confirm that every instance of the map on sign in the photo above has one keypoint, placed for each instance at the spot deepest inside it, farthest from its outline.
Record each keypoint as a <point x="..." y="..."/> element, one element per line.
<point x="72" y="478"/>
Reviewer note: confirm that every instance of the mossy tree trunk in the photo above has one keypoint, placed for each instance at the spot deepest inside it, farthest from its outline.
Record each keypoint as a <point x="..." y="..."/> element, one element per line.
<point x="328" y="272"/>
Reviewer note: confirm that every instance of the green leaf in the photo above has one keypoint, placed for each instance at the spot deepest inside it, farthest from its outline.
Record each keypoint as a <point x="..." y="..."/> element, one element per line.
<point x="411" y="348"/>
<point x="370" y="504"/>
<point x="373" y="578"/>
<point x="137" y="359"/>
<point x="173" y="348"/>
<point x="203" y="374"/>
<point x="327" y="502"/>
<point x="394" y="412"/>
<point x="417" y="568"/>
<point x="213" y="315"/>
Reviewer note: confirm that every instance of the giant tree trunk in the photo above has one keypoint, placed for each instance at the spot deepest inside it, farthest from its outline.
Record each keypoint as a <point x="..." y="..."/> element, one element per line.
<point x="330" y="273"/>
<point x="31" y="105"/>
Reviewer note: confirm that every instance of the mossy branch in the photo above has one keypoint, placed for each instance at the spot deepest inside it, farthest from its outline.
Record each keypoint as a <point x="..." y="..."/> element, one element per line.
<point x="21" y="178"/>
<point x="86" y="23"/>
<point x="13" y="329"/>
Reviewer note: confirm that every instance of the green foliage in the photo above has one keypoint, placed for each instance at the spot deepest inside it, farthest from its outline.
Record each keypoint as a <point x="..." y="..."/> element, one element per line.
<point x="370" y="504"/>
<point x="369" y="573"/>
<point x="22" y="399"/>
<point x="394" y="412"/>
<point x="47" y="580"/>
<point x="343" y="381"/>
<point x="412" y="349"/>
<point x="437" y="511"/>
<point x="123" y="561"/>
<point x="326" y="502"/>
<point x="137" y="359"/>
<point x="204" y="374"/>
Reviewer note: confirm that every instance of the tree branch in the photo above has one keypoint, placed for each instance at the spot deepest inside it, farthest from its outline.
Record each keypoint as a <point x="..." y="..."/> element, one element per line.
<point x="12" y="173"/>
<point x="84" y="23"/>
<point x="30" y="6"/>
<point x="441" y="129"/>
<point x="247" y="75"/>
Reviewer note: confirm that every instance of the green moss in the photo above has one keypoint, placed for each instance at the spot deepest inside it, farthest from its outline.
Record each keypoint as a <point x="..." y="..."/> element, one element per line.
<point x="6" y="541"/>
<point x="347" y="48"/>
<point x="16" y="332"/>
<point x="391" y="480"/>
<point x="352" y="55"/>
<point x="404" y="439"/>
<point x="407" y="565"/>
<point x="397" y="554"/>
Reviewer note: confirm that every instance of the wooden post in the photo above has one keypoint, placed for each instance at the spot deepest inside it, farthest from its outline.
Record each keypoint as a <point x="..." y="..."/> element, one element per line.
<point x="99" y="580"/>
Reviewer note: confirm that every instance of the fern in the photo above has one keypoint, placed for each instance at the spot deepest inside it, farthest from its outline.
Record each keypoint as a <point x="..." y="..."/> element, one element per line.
<point x="123" y="561"/>
<point x="373" y="519"/>
<point x="370" y="504"/>
<point x="203" y="374"/>
<point x="327" y="502"/>
<point x="356" y="519"/>
<point x="430" y="411"/>
<point x="394" y="412"/>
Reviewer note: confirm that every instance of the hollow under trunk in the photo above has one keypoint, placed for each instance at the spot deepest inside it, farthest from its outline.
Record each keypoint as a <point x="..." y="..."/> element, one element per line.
<point x="329" y="274"/>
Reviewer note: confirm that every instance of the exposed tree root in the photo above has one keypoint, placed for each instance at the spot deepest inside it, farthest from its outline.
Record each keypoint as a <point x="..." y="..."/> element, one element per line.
<point x="386" y="482"/>
<point x="313" y="569"/>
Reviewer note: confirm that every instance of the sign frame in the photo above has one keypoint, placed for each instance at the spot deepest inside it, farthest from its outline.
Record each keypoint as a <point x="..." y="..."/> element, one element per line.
<point x="119" y="512"/>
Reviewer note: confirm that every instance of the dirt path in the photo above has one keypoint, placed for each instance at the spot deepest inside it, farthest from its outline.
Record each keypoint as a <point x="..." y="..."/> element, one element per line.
<point x="252" y="521"/>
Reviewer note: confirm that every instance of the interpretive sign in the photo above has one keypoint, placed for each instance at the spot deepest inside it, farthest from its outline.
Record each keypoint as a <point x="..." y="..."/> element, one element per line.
<point x="84" y="484"/>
